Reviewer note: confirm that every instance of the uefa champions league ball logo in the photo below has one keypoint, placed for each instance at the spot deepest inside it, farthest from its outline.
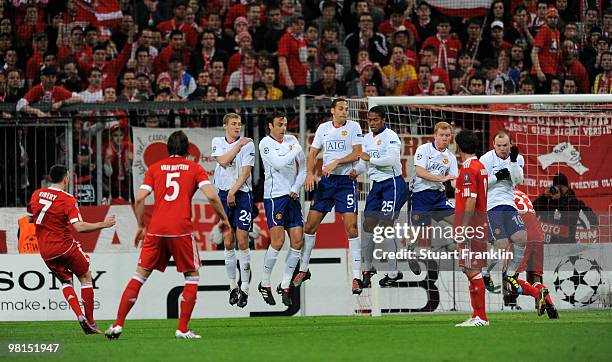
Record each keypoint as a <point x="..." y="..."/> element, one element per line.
<point x="577" y="279"/>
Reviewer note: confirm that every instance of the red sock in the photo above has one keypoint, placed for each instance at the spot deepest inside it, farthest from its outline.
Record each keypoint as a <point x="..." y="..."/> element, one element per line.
<point x="87" y="294"/>
<point x="477" y="297"/>
<point x="188" y="300"/>
<point x="540" y="286"/>
<point x="72" y="299"/>
<point x="528" y="289"/>
<point x="130" y="294"/>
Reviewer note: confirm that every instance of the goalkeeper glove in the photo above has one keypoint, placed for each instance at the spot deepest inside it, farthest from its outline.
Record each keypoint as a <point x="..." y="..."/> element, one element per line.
<point x="502" y="174"/>
<point x="514" y="151"/>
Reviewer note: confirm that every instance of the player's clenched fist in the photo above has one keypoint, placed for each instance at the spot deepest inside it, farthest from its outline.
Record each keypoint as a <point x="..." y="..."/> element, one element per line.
<point x="110" y="221"/>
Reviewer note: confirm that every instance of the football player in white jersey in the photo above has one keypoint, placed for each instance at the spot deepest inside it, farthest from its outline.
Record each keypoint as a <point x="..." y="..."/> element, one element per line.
<point x="235" y="158"/>
<point x="340" y="139"/>
<point x="505" y="168"/>
<point x="285" y="172"/>
<point x="434" y="164"/>
<point x="381" y="159"/>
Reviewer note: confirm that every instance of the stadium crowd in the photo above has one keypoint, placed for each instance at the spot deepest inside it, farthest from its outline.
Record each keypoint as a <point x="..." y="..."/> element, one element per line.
<point x="209" y="50"/>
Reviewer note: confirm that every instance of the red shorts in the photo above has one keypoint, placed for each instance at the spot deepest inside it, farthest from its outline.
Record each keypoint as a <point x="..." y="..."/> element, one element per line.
<point x="533" y="226"/>
<point x="534" y="250"/>
<point x="74" y="261"/>
<point x="472" y="254"/>
<point x="157" y="250"/>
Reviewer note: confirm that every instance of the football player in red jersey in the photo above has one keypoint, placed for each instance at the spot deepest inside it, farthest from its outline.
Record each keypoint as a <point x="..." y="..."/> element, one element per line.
<point x="470" y="223"/>
<point x="53" y="210"/>
<point x="533" y="260"/>
<point x="174" y="181"/>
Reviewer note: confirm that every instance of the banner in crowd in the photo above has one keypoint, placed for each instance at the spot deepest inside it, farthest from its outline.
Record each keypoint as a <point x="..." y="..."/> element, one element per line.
<point x="465" y="8"/>
<point x="577" y="277"/>
<point x="576" y="146"/>
<point x="150" y="147"/>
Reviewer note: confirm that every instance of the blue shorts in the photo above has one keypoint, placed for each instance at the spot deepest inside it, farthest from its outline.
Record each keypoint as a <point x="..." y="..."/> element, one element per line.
<point x="428" y="204"/>
<point x="283" y="211"/>
<point x="386" y="198"/>
<point x="339" y="191"/>
<point x="239" y="216"/>
<point x="504" y="221"/>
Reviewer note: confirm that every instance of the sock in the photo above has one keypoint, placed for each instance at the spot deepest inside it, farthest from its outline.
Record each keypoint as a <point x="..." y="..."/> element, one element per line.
<point x="269" y="262"/>
<point x="309" y="243"/>
<point x="391" y="246"/>
<point x="355" y="248"/>
<point x="539" y="286"/>
<point x="477" y="297"/>
<point x="367" y="248"/>
<point x="230" y="267"/>
<point x="128" y="299"/>
<point x="72" y="299"/>
<point x="87" y="294"/>
<point x="244" y="257"/>
<point x="292" y="259"/>
<point x="528" y="289"/>
<point x="188" y="300"/>
<point x="518" y="253"/>
<point x="491" y="265"/>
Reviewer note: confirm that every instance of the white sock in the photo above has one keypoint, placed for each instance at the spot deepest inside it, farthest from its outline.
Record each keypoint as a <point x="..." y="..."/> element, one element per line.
<point x="355" y="248"/>
<point x="292" y="259"/>
<point x="367" y="248"/>
<point x="491" y="265"/>
<point x="269" y="261"/>
<point x="309" y="243"/>
<point x="391" y="246"/>
<point x="518" y="253"/>
<point x="244" y="257"/>
<point x="230" y="267"/>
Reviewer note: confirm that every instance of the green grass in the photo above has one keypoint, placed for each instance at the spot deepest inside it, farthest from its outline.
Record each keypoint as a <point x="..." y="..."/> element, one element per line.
<point x="577" y="335"/>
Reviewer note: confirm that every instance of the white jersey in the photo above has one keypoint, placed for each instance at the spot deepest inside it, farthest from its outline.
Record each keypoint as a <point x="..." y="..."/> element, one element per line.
<point x="435" y="162"/>
<point x="500" y="192"/>
<point x="284" y="166"/>
<point x="384" y="150"/>
<point x="338" y="143"/>
<point x="225" y="177"/>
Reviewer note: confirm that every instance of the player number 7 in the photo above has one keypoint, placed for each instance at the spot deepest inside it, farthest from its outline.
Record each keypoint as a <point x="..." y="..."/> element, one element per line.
<point x="46" y="205"/>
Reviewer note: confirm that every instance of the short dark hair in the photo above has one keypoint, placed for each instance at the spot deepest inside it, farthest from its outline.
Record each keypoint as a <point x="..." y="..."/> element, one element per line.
<point x="467" y="141"/>
<point x="178" y="144"/>
<point x="274" y="116"/>
<point x="380" y="110"/>
<point x="336" y="101"/>
<point x="57" y="173"/>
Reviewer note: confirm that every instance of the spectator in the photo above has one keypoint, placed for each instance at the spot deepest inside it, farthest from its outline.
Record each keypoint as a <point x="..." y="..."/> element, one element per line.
<point x="70" y="78"/>
<point x="245" y="43"/>
<point x="369" y="73"/>
<point x="370" y="90"/>
<point x="503" y="65"/>
<point x="145" y="41"/>
<point x="328" y="85"/>
<point x="366" y="38"/>
<point x="268" y="78"/>
<point x="594" y="65"/>
<point x="118" y="163"/>
<point x="607" y="23"/>
<point x="202" y="82"/>
<point x="11" y="60"/>
<point x="527" y="86"/>
<point x="425" y="27"/>
<point x="121" y="36"/>
<point x="40" y="47"/>
<point x="567" y="13"/>
<point x="446" y="48"/>
<point x="589" y="45"/>
<point x="559" y="206"/>
<point x="555" y="86"/>
<point x="422" y="85"/>
<point x="110" y="68"/>
<point x="517" y="59"/>
<point x="496" y="83"/>
<point x="546" y="53"/>
<point x="497" y="43"/>
<point x="497" y="12"/>
<point x="398" y="71"/>
<point x="519" y="33"/>
<point x="93" y="93"/>
<point x="476" y="85"/>
<point x="75" y="47"/>
<point x="570" y="31"/>
<point x="149" y="13"/>
<point x="212" y="94"/>
<point x="202" y="57"/>
<point x="571" y="67"/>
<point x="31" y="25"/>
<point x="292" y="58"/>
<point x="311" y="34"/>
<point x="253" y="16"/>
<point x="144" y="63"/>
<point x="330" y="39"/>
<point x="15" y="89"/>
<point x="313" y="72"/>
<point x="85" y="177"/>
<point x="178" y="23"/>
<point x="603" y="80"/>
<point x="175" y="48"/>
<point x="91" y="36"/>
<point x="258" y="92"/>
<point x="407" y="39"/>
<point x="244" y="77"/>
<point x="217" y="76"/>
<point x="439" y="89"/>
<point x="428" y="57"/>
<point x="275" y="28"/>
<point x="47" y="92"/>
<point x="473" y="43"/>
<point x="109" y="95"/>
<point x="397" y="21"/>
<point x="539" y="19"/>
<point x="182" y="83"/>
<point x="223" y="40"/>
<point x="330" y="55"/>
<point x="329" y="17"/>
<point x="129" y="92"/>
<point x="143" y="85"/>
<point x="570" y="86"/>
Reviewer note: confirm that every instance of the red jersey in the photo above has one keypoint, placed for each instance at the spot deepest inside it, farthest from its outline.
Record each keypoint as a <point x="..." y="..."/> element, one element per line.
<point x="473" y="181"/>
<point x="528" y="214"/>
<point x="447" y="51"/>
<point x="548" y="42"/>
<point x="174" y="181"/>
<point x="53" y="211"/>
<point x="290" y="48"/>
<point x="39" y="94"/>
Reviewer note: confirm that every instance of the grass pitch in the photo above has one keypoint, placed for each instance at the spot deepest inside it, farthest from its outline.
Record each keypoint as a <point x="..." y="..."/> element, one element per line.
<point x="577" y="335"/>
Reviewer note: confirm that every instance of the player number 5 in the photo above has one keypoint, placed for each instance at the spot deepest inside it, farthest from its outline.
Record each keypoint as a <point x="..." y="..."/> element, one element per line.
<point x="170" y="183"/>
<point x="350" y="201"/>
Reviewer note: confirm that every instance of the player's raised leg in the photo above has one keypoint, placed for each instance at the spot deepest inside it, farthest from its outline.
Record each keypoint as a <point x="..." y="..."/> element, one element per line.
<point x="313" y="220"/>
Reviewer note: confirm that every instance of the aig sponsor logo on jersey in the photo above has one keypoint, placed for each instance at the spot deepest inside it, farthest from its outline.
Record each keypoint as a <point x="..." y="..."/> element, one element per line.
<point x="335" y="145"/>
<point x="374" y="154"/>
<point x="434" y="166"/>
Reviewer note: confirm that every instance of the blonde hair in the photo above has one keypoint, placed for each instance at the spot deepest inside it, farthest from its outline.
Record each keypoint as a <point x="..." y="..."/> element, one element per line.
<point x="501" y="134"/>
<point x="442" y="125"/>
<point x="229" y="116"/>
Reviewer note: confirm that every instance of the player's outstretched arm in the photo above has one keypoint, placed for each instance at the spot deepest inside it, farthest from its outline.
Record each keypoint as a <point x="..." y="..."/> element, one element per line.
<point x="311" y="161"/>
<point x="215" y="202"/>
<point x="388" y="160"/>
<point x="88" y="227"/>
<point x="424" y="174"/>
<point x="227" y="158"/>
